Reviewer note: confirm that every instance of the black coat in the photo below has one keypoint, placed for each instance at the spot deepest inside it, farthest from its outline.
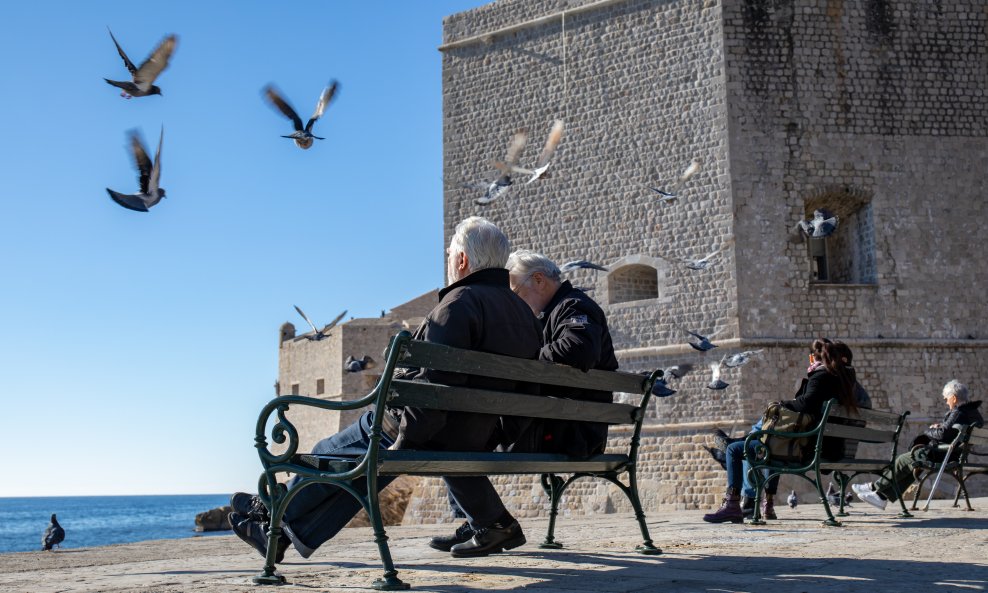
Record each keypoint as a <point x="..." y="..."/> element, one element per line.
<point x="814" y="392"/>
<point x="574" y="333"/>
<point x="479" y="312"/>
<point x="966" y="414"/>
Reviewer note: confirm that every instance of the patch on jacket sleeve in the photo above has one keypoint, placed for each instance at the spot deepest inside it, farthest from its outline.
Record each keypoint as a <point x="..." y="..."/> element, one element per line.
<point x="576" y="320"/>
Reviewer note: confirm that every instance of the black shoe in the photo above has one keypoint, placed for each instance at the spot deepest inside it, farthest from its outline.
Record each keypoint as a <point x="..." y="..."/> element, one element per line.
<point x="250" y="506"/>
<point x="490" y="540"/>
<point x="445" y="542"/>
<point x="255" y="534"/>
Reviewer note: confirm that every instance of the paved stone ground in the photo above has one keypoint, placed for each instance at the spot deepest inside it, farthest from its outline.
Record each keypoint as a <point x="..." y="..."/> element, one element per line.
<point x="944" y="549"/>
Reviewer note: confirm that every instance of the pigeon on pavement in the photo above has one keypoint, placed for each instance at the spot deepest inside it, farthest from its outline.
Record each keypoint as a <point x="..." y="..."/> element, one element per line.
<point x="54" y="535"/>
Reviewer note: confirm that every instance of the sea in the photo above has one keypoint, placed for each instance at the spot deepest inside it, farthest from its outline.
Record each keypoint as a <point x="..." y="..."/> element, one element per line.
<point x="103" y="520"/>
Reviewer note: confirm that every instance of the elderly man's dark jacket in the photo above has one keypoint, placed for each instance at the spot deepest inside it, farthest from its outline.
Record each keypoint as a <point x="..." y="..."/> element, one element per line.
<point x="966" y="414"/>
<point x="479" y="312"/>
<point x="575" y="333"/>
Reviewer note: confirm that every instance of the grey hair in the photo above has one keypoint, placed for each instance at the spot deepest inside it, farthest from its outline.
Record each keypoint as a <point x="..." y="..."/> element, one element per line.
<point x="526" y="262"/>
<point x="957" y="388"/>
<point x="485" y="245"/>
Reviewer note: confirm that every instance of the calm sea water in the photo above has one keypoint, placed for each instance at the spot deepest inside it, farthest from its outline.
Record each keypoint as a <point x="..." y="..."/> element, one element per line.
<point x="102" y="520"/>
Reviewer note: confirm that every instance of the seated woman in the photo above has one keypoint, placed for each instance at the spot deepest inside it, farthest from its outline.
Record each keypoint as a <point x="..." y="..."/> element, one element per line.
<point x="829" y="375"/>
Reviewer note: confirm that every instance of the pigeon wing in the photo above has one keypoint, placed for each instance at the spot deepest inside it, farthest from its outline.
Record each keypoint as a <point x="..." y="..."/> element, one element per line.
<point x="555" y="135"/>
<point x="130" y="202"/>
<point x="130" y="65"/>
<point x="156" y="168"/>
<point x="515" y="147"/>
<point x="281" y="105"/>
<point x="306" y="318"/>
<point x="156" y="62"/>
<point x="324" y="99"/>
<point x="333" y="323"/>
<point x="691" y="170"/>
<point x="141" y="159"/>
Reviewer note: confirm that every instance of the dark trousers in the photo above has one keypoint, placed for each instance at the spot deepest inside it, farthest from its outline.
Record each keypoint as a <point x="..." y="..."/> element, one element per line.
<point x="476" y="498"/>
<point x="735" y="468"/>
<point x="319" y="511"/>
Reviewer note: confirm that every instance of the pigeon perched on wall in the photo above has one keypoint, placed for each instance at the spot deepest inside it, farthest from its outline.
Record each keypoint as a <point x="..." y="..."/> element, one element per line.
<point x="542" y="165"/>
<point x="792" y="500"/>
<point x="150" y="175"/>
<point x="142" y="83"/>
<point x="823" y="224"/>
<point x="318" y="334"/>
<point x="499" y="187"/>
<point x="704" y="342"/>
<point x="580" y="264"/>
<point x="671" y="193"/>
<point x="54" y="535"/>
<point x="355" y="365"/>
<point x="302" y="136"/>
<point x="715" y="382"/>
<point x="739" y="358"/>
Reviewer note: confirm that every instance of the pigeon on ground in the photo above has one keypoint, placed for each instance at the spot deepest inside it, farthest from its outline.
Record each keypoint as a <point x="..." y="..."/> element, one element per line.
<point x="54" y="535"/>
<point x="542" y="165"/>
<point x="142" y="84"/>
<point x="792" y="500"/>
<point x="739" y="358"/>
<point x="672" y="193"/>
<point x="302" y="135"/>
<point x="715" y="382"/>
<point x="580" y="264"/>
<point x="497" y="188"/>
<point x="833" y="497"/>
<point x="318" y="334"/>
<point x="823" y="224"/>
<point x="704" y="343"/>
<point x="697" y="264"/>
<point x="150" y="175"/>
<point x="848" y="498"/>
<point x="355" y="365"/>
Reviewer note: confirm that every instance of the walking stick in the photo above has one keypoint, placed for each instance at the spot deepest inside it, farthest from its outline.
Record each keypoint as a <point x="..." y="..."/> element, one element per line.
<point x="943" y="466"/>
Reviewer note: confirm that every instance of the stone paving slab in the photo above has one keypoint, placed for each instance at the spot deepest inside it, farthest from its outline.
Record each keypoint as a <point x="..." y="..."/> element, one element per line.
<point x="944" y="550"/>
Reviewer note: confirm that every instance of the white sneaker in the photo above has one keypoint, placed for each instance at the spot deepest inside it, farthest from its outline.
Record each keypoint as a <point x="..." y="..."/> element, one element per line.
<point x="866" y="494"/>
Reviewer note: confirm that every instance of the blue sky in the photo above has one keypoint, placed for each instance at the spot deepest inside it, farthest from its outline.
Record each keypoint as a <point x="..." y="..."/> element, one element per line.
<point x="136" y="349"/>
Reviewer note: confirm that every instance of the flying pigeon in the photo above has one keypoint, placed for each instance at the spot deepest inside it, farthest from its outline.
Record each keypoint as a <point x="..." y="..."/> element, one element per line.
<point x="54" y="535"/>
<point x="792" y="500"/>
<point x="580" y="264"/>
<point x="823" y="224"/>
<point x="718" y="456"/>
<point x="497" y="188"/>
<point x="150" y="192"/>
<point x="672" y="194"/>
<point x="354" y="365"/>
<point x="737" y="359"/>
<point x="542" y="165"/>
<point x="661" y="387"/>
<point x="697" y="264"/>
<point x="142" y="84"/>
<point x="715" y="382"/>
<point x="833" y="497"/>
<point x="318" y="334"/>
<point x="704" y="343"/>
<point x="302" y="135"/>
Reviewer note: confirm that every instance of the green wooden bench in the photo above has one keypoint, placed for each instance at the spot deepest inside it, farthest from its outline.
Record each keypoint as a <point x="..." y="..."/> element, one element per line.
<point x="405" y="352"/>
<point x="862" y="426"/>
<point x="973" y="460"/>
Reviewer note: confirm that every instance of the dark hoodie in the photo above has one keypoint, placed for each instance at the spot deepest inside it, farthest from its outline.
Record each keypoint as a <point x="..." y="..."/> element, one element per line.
<point x="965" y="414"/>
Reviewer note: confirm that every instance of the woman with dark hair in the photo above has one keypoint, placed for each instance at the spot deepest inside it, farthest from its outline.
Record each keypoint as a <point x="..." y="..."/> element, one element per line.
<point x="829" y="375"/>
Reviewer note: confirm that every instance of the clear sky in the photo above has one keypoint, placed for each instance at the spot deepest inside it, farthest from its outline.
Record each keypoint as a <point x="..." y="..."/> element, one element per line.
<point x="137" y="349"/>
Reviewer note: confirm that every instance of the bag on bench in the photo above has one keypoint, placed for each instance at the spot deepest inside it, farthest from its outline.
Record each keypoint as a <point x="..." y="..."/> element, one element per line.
<point x="781" y="419"/>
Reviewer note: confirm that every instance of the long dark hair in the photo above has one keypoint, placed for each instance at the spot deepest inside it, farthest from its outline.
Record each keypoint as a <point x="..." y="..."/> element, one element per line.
<point x="836" y="357"/>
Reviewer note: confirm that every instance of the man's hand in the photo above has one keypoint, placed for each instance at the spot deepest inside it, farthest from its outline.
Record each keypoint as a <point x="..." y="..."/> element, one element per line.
<point x="937" y="425"/>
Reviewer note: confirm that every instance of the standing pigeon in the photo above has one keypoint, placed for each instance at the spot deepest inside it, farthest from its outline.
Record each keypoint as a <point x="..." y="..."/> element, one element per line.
<point x="823" y="224"/>
<point x="738" y="358"/>
<point x="580" y="264"/>
<point x="142" y="84"/>
<point x="542" y="165"/>
<point x="833" y="497"/>
<point x="318" y="334"/>
<point x="792" y="500"/>
<point x="54" y="535"/>
<point x="302" y="135"/>
<point x="497" y="188"/>
<point x="704" y="343"/>
<point x="355" y="365"/>
<point x="150" y="175"/>
<point x="715" y="382"/>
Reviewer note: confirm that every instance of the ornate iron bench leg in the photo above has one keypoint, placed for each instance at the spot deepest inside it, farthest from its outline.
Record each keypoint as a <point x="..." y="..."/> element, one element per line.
<point x="553" y="486"/>
<point x="919" y="490"/>
<point x="268" y="575"/>
<point x="830" y="521"/>
<point x="962" y="487"/>
<point x="647" y="547"/>
<point x="390" y="580"/>
<point x="842" y="481"/>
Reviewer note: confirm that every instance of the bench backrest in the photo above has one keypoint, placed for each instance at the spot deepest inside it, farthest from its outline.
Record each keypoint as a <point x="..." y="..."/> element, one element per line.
<point x="977" y="444"/>
<point x="863" y="425"/>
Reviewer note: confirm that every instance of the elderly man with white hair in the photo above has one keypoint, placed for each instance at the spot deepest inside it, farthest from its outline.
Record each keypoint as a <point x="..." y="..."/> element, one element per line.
<point x="961" y="411"/>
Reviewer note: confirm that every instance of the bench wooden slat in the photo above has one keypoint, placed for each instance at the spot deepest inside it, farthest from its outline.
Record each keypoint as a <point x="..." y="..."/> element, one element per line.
<point x="465" y="399"/>
<point x="868" y="435"/>
<point x="978" y="439"/>
<point x="855" y="464"/>
<point x="444" y="463"/>
<point x="869" y="416"/>
<point x="440" y="357"/>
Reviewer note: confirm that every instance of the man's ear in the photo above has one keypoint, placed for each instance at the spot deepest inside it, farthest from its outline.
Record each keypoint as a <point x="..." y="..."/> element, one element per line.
<point x="462" y="262"/>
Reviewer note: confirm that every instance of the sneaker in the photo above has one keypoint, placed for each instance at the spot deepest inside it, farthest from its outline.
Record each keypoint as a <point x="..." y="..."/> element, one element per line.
<point x="866" y="494"/>
<point x="250" y="506"/>
<point x="443" y="543"/>
<point x="255" y="534"/>
<point x="490" y="540"/>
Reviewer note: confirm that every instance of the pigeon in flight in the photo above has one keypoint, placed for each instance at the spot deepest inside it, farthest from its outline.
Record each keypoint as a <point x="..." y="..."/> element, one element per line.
<point x="715" y="382"/>
<point x="580" y="264"/>
<point x="142" y="84"/>
<point x="739" y="358"/>
<point x="542" y="165"/>
<point x="318" y="334"/>
<point x="497" y="188"/>
<point x="661" y="387"/>
<point x="697" y="264"/>
<point x="672" y="194"/>
<point x="792" y="500"/>
<point x="704" y="343"/>
<point x="355" y="365"/>
<point x="823" y="224"/>
<point x="302" y="135"/>
<point x="54" y="535"/>
<point x="150" y="192"/>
